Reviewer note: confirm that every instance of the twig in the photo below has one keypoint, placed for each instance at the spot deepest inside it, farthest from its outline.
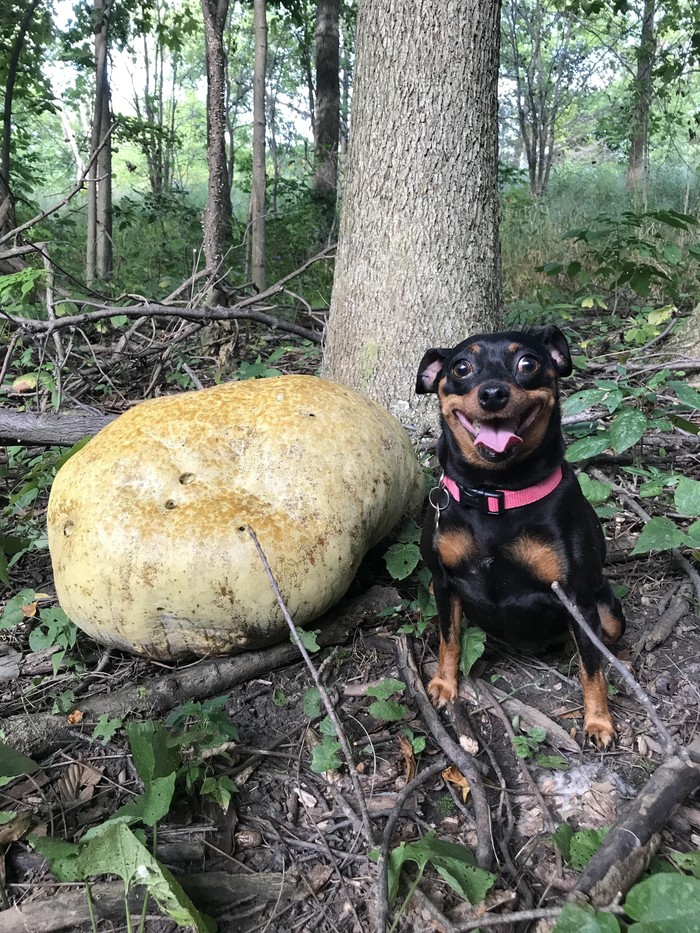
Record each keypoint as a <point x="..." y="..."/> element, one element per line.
<point x="383" y="861"/>
<point x="671" y="747"/>
<point x="518" y="916"/>
<point x="342" y="738"/>
<point x="493" y="703"/>
<point x="625" y="497"/>
<point x="463" y="760"/>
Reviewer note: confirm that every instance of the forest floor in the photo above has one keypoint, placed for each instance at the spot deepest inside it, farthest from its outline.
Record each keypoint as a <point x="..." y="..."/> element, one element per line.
<point x="289" y="855"/>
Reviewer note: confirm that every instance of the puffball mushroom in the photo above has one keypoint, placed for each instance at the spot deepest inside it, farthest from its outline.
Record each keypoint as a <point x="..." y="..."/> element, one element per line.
<point x="148" y="523"/>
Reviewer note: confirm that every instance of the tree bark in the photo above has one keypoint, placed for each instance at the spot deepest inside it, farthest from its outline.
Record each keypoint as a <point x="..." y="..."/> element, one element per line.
<point x="638" y="158"/>
<point x="418" y="258"/>
<point x="98" y="263"/>
<point x="257" y="194"/>
<point x="327" y="125"/>
<point x="7" y="208"/>
<point x="217" y="213"/>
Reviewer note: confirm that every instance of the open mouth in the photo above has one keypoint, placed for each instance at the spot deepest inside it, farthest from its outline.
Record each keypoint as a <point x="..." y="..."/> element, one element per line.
<point x="498" y="436"/>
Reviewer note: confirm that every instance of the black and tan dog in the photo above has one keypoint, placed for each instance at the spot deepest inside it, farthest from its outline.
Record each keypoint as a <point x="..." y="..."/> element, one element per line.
<point x="509" y="517"/>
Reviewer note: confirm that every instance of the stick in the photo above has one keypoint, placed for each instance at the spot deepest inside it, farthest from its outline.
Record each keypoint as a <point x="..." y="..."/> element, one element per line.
<point x="671" y="747"/>
<point x="383" y="861"/>
<point x="463" y="760"/>
<point x="330" y="709"/>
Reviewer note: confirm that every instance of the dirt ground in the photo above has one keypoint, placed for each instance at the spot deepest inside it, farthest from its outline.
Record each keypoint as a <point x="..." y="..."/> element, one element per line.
<point x="289" y="854"/>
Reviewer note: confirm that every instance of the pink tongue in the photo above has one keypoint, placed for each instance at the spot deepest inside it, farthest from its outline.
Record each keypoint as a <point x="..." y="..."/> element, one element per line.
<point x="498" y="439"/>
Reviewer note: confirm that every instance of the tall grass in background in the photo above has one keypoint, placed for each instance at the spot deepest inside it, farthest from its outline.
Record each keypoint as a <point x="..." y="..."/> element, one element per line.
<point x="532" y="229"/>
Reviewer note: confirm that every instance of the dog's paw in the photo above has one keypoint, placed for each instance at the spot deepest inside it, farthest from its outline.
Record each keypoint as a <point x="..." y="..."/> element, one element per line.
<point x="600" y="731"/>
<point x="442" y="690"/>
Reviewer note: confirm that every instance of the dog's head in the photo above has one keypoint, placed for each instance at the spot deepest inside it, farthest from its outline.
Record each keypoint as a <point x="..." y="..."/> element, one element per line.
<point x="498" y="392"/>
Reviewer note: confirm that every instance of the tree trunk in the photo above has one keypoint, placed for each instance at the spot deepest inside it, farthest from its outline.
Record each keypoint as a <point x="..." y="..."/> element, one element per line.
<point x="418" y="258"/>
<point x="98" y="263"/>
<point x="327" y="127"/>
<point x="7" y="207"/>
<point x="638" y="158"/>
<point x="257" y="194"/>
<point x="217" y="213"/>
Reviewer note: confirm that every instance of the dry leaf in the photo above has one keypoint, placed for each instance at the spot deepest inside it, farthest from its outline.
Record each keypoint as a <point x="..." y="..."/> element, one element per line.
<point x="408" y="757"/>
<point x="16" y="829"/>
<point x="29" y="610"/>
<point x="76" y="717"/>
<point x="455" y="776"/>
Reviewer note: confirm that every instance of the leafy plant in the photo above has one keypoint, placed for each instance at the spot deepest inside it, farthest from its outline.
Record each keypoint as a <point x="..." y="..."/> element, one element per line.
<point x="385" y="708"/>
<point x="197" y="729"/>
<point x="454" y="863"/>
<point x="577" y="848"/>
<point x="325" y="756"/>
<point x="473" y="645"/>
<point x="403" y="556"/>
<point x="54" y="628"/>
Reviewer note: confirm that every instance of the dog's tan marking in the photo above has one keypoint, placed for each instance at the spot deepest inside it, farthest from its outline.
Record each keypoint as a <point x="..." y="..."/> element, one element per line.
<point x="443" y="687"/>
<point x="540" y="558"/>
<point x="597" y="721"/>
<point x="611" y="625"/>
<point x="455" y="546"/>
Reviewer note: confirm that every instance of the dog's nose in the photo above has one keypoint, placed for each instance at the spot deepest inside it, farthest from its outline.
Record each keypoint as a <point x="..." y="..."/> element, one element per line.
<point x="493" y="396"/>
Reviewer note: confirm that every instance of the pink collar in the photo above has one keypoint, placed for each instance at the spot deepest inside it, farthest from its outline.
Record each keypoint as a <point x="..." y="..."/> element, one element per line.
<point x="498" y="500"/>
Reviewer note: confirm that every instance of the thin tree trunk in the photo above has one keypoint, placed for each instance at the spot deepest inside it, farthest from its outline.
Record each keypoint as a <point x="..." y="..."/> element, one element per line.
<point x="99" y="194"/>
<point x="7" y="208"/>
<point x="217" y="214"/>
<point x="327" y="133"/>
<point x="257" y="194"/>
<point x="418" y="256"/>
<point x="638" y="159"/>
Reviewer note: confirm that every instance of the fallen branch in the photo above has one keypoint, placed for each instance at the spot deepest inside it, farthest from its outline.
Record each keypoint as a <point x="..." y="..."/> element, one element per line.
<point x="25" y="427"/>
<point x="462" y="759"/>
<point x="629" y="845"/>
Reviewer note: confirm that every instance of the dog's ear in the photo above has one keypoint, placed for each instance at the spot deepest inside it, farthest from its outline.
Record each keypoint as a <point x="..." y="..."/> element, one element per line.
<point x="430" y="369"/>
<point x="557" y="347"/>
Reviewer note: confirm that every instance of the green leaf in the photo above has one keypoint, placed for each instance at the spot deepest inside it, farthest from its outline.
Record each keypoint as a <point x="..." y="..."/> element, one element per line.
<point x="594" y="490"/>
<point x="386" y="688"/>
<point x="408" y="532"/>
<point x="688" y="862"/>
<point x="580" y="918"/>
<point x="13" y="764"/>
<point x="324" y="757"/>
<point x="388" y="710"/>
<point x="4" y="570"/>
<point x="308" y="639"/>
<point x="561" y="838"/>
<point x="106" y="728"/>
<point x="473" y="642"/>
<point x="659" y="534"/>
<point x="154" y="756"/>
<point x="454" y="863"/>
<point x="149" y="807"/>
<point x="311" y="702"/>
<point x="627" y="428"/>
<point x="686" y="394"/>
<point x="584" y="844"/>
<point x="664" y="903"/>
<point x="580" y="401"/>
<point x="402" y="559"/>
<point x="556" y="762"/>
<point x="687" y="497"/>
<point x="62" y="857"/>
<point x="588" y="447"/>
<point x="116" y="850"/>
<point x="12" y="613"/>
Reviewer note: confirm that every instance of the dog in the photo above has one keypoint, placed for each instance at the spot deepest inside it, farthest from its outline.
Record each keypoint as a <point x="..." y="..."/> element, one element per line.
<point x="509" y="517"/>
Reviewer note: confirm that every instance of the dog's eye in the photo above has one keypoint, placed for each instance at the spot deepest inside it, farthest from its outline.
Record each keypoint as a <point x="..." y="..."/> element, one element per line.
<point x="461" y="369"/>
<point x="528" y="365"/>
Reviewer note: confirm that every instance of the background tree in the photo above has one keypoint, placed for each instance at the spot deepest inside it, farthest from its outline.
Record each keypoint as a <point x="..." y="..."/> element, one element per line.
<point x="638" y="158"/>
<point x="418" y="254"/>
<point x="327" y="124"/>
<point x="257" y="194"/>
<point x="98" y="263"/>
<point x="217" y="213"/>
